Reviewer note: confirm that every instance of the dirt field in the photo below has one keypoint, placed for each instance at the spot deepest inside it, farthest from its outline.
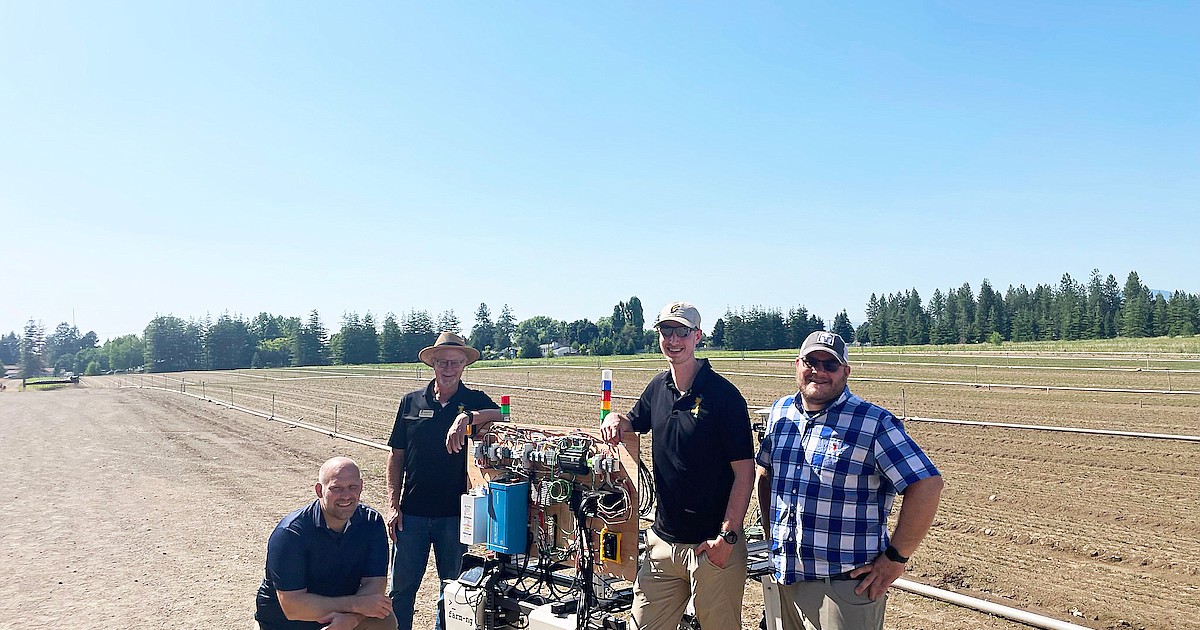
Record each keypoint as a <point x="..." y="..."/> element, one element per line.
<point x="1098" y="531"/>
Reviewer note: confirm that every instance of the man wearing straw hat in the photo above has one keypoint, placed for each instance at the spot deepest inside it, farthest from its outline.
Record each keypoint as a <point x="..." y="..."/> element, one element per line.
<point x="427" y="472"/>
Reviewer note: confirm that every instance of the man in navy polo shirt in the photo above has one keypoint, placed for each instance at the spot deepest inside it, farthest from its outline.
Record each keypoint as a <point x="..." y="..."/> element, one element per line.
<point x="829" y="467"/>
<point x="427" y="472"/>
<point x="327" y="562"/>
<point x="703" y="473"/>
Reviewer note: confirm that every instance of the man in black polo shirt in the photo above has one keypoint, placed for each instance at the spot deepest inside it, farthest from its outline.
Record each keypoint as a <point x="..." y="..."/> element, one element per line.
<point x="427" y="472"/>
<point x="327" y="562"/>
<point x="703" y="472"/>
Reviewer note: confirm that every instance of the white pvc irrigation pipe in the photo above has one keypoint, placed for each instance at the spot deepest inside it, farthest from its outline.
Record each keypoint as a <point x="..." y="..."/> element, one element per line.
<point x="1015" y="614"/>
<point x="1010" y="425"/>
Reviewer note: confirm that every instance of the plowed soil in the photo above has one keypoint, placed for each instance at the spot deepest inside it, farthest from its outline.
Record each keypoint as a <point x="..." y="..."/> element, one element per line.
<point x="145" y="508"/>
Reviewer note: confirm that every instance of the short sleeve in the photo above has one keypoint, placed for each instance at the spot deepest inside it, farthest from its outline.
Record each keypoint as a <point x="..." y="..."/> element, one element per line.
<point x="286" y="566"/>
<point x="377" y="554"/>
<point x="899" y="458"/>
<point x="639" y="415"/>
<point x="399" y="437"/>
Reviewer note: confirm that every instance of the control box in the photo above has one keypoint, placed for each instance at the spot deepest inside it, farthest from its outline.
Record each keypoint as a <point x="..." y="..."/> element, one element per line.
<point x="508" y="516"/>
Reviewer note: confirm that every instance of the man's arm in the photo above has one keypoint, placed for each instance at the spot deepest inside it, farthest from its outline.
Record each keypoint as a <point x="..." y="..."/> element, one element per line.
<point x="614" y="427"/>
<point x="369" y="601"/>
<point x="764" y="501"/>
<point x="393" y="519"/>
<point x="916" y="516"/>
<point x="456" y="437"/>
<point x="735" y="512"/>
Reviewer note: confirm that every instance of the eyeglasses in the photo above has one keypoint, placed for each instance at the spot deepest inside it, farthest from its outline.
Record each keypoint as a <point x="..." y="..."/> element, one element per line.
<point x="678" y="331"/>
<point x="454" y="363"/>
<point x="826" y="365"/>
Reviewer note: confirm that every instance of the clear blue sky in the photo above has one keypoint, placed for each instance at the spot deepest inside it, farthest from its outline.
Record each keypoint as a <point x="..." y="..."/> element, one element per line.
<point x="200" y="158"/>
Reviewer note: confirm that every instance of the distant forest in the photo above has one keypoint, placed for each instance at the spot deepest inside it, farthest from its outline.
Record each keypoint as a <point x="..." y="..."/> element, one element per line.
<point x="1069" y="311"/>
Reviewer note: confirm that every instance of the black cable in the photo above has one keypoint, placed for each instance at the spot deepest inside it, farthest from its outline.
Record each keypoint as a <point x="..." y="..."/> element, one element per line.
<point x="646" y="488"/>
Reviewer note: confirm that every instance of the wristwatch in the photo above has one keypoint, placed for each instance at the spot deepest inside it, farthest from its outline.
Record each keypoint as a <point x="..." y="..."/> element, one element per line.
<point x="730" y="536"/>
<point x="894" y="555"/>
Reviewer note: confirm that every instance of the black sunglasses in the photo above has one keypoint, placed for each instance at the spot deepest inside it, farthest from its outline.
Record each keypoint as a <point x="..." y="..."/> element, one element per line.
<point x="826" y="365"/>
<point x="678" y="331"/>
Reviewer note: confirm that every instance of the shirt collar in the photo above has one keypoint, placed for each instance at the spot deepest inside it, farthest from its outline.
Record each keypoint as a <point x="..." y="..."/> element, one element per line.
<point x="798" y="406"/>
<point x="319" y="519"/>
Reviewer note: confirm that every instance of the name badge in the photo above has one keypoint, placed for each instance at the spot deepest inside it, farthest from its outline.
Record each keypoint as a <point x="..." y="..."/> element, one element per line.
<point x="425" y="413"/>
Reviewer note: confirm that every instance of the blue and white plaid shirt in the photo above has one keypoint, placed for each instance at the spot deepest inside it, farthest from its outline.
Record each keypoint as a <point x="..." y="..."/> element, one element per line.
<point x="834" y="476"/>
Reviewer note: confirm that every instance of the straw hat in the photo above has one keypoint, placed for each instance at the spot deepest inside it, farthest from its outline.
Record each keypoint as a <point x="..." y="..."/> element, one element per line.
<point x="448" y="340"/>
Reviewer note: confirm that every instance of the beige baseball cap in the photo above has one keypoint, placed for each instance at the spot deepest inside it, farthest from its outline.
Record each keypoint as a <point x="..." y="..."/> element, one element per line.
<point x="680" y="313"/>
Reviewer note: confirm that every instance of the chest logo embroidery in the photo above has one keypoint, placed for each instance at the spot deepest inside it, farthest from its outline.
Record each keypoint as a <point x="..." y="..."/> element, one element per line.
<point x="696" y="407"/>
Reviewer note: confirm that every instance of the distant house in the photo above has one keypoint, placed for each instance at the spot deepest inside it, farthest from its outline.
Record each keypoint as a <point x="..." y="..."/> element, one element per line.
<point x="556" y="349"/>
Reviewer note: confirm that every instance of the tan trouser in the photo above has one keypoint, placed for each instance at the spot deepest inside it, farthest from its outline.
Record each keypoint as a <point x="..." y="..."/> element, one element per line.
<point x="370" y="623"/>
<point x="829" y="605"/>
<point x="673" y="574"/>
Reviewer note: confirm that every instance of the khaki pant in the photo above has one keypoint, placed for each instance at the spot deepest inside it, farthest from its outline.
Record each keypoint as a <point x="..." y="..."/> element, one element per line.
<point x="370" y="623"/>
<point x="673" y="574"/>
<point x="829" y="605"/>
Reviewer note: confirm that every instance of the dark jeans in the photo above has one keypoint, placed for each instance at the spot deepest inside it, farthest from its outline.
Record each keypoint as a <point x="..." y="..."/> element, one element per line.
<point x="410" y="556"/>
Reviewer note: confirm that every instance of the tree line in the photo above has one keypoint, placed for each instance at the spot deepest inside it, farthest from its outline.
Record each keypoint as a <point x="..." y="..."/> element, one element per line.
<point x="1071" y="310"/>
<point x="1101" y="309"/>
<point x="172" y="344"/>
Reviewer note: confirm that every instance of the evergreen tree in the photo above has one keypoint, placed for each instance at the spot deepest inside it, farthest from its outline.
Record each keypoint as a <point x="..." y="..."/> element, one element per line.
<point x="718" y="334"/>
<point x="843" y="327"/>
<point x="310" y="344"/>
<point x="391" y="345"/>
<point x="417" y="332"/>
<point x="506" y="324"/>
<point x="33" y="343"/>
<point x="483" y="333"/>
<point x="1159" y="318"/>
<point x="172" y="345"/>
<point x="228" y="344"/>
<point x="448" y="321"/>
<point x="10" y="349"/>
<point x="1135" y="308"/>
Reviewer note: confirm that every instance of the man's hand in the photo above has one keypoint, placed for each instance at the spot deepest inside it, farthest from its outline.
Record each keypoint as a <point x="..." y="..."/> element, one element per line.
<point x="340" y="621"/>
<point x="717" y="550"/>
<point x="395" y="521"/>
<point x="457" y="435"/>
<point x="613" y="428"/>
<point x="375" y="605"/>
<point x="877" y="577"/>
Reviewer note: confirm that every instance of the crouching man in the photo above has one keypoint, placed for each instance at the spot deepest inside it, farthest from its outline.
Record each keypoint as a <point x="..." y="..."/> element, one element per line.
<point x="327" y="562"/>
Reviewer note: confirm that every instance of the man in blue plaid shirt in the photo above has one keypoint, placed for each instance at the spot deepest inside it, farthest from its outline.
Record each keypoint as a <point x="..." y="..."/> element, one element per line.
<point x="829" y="469"/>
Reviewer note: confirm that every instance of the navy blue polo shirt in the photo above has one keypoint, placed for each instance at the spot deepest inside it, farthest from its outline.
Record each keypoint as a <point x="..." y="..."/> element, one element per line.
<point x="697" y="434"/>
<point x="303" y="553"/>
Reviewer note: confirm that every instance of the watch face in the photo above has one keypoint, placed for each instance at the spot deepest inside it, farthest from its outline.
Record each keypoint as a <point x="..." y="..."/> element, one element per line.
<point x="730" y="537"/>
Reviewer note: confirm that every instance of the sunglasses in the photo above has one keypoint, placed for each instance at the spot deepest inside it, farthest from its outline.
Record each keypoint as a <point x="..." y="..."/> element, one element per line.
<point x="826" y="365"/>
<point x="678" y="331"/>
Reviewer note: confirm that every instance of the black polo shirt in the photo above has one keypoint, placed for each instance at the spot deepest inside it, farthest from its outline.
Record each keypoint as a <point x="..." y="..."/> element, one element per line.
<point x="696" y="434"/>
<point x="433" y="479"/>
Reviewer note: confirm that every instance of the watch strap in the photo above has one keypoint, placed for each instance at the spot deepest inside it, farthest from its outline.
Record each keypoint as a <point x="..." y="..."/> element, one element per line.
<point x="894" y="555"/>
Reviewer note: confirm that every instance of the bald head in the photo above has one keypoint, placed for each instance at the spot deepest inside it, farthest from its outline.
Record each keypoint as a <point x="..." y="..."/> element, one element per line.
<point x="340" y="467"/>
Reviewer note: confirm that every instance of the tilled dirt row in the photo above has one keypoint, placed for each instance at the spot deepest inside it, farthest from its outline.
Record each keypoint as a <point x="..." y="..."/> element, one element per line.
<point x="1097" y="530"/>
